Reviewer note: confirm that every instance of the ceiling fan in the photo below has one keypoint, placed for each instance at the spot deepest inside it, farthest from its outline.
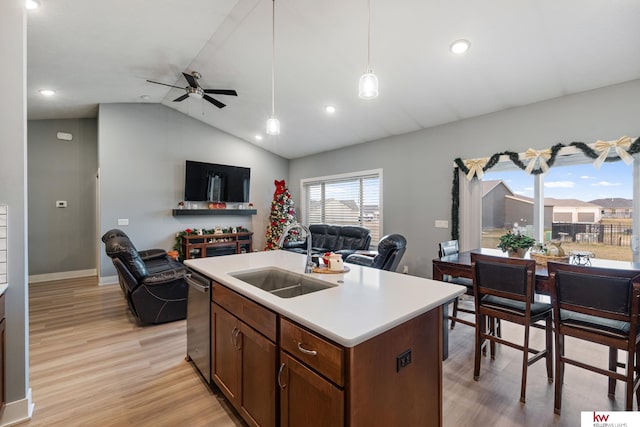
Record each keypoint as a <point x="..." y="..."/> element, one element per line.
<point x="195" y="91"/>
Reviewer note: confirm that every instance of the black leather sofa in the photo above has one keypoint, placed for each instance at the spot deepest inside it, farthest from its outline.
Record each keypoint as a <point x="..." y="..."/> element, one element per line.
<point x="340" y="239"/>
<point x="153" y="284"/>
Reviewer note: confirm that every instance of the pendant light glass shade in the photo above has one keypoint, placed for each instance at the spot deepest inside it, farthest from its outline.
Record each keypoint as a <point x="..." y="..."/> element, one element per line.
<point x="368" y="85"/>
<point x="273" y="126"/>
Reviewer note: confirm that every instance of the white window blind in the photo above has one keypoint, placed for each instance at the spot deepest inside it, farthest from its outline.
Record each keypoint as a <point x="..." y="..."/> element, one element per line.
<point x="353" y="199"/>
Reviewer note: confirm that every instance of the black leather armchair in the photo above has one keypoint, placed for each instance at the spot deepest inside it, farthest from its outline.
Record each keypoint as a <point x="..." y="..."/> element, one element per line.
<point x="390" y="251"/>
<point x="153" y="284"/>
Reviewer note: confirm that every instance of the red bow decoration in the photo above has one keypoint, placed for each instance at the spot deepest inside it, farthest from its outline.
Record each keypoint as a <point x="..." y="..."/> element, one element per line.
<point x="281" y="186"/>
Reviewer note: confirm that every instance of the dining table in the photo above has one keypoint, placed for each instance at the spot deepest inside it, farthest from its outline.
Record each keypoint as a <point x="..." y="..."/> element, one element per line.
<point x="459" y="265"/>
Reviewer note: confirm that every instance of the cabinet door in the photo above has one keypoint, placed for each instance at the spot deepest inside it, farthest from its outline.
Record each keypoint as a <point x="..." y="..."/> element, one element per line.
<point x="258" y="392"/>
<point x="225" y="352"/>
<point x="306" y="398"/>
<point x="3" y="400"/>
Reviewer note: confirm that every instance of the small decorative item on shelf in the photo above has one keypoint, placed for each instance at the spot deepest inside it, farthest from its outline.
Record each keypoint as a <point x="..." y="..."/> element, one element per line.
<point x="552" y="251"/>
<point x="515" y="244"/>
<point x="180" y="205"/>
<point x="217" y="205"/>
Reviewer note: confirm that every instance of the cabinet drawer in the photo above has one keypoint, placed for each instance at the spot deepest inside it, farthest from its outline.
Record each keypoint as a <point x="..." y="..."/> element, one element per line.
<point x="259" y="318"/>
<point x="313" y="350"/>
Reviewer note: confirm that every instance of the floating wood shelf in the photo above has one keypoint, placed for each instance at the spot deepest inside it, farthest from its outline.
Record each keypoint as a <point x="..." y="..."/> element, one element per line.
<point x="184" y="212"/>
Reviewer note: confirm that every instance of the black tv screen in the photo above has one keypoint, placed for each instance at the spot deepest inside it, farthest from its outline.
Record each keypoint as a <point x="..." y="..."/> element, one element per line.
<point x="216" y="183"/>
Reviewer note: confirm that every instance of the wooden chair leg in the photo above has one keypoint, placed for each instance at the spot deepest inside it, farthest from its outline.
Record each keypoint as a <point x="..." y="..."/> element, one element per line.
<point x="636" y="373"/>
<point x="549" y="344"/>
<point x="454" y="314"/>
<point x="480" y="324"/>
<point x="557" y="399"/>
<point x="525" y="364"/>
<point x="629" y="381"/>
<point x="613" y="363"/>
<point x="492" y="331"/>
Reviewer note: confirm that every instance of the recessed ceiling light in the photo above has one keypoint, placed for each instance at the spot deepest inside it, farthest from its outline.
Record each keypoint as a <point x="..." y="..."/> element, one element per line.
<point x="32" y="4"/>
<point x="258" y="137"/>
<point x="460" y="46"/>
<point x="330" y="109"/>
<point x="47" y="92"/>
<point x="145" y="97"/>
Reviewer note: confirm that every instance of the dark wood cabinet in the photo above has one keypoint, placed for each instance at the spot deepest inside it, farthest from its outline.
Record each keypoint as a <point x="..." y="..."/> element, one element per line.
<point x="243" y="360"/>
<point x="3" y="325"/>
<point x="275" y="371"/>
<point x="201" y="246"/>
<point x="306" y="398"/>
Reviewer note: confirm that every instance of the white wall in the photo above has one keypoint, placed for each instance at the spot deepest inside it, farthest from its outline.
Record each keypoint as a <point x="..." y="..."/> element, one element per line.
<point x="13" y="192"/>
<point x="418" y="166"/>
<point x="142" y="150"/>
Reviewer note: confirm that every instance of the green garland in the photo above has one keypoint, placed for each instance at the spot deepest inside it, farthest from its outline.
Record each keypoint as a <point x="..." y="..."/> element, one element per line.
<point x="515" y="159"/>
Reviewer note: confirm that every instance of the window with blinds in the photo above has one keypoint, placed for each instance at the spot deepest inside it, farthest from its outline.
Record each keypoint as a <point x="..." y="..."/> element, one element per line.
<point x="353" y="199"/>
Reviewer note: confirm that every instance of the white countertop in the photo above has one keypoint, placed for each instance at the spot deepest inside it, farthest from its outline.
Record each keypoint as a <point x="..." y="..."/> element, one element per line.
<point x="367" y="303"/>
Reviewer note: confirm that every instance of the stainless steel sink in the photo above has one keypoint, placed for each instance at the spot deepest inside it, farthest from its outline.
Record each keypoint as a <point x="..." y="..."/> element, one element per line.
<point x="281" y="283"/>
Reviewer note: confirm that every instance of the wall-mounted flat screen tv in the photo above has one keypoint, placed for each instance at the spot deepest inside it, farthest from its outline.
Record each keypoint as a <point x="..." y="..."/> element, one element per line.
<point x="209" y="182"/>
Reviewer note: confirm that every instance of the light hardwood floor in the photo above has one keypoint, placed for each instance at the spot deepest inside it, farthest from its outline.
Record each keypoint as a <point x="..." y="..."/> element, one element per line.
<point x="91" y="365"/>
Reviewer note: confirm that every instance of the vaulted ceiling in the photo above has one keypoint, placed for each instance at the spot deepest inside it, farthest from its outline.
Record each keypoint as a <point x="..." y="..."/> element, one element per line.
<point x="521" y="52"/>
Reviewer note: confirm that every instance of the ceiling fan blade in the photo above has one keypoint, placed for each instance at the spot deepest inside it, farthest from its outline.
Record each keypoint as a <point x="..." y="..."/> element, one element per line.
<point x="164" y="84"/>
<point x="181" y="98"/>
<point x="190" y="79"/>
<point x="214" y="101"/>
<point x="222" y="91"/>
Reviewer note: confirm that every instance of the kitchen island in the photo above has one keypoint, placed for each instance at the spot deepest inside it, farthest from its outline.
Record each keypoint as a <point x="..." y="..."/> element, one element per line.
<point x="366" y="351"/>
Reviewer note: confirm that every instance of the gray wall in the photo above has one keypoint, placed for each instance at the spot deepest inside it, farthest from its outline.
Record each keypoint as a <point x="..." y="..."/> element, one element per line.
<point x="493" y="207"/>
<point x="142" y="150"/>
<point x="418" y="166"/>
<point x="13" y="192"/>
<point x="62" y="239"/>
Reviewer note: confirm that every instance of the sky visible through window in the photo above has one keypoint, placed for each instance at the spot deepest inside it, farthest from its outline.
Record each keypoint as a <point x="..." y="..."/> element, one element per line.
<point x="582" y="182"/>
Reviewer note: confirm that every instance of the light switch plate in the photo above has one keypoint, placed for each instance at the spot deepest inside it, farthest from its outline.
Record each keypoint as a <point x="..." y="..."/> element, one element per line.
<point x="442" y="223"/>
<point x="123" y="221"/>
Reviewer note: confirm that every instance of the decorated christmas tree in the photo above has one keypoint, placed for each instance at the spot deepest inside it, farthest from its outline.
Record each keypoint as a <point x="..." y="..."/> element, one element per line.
<point x="283" y="213"/>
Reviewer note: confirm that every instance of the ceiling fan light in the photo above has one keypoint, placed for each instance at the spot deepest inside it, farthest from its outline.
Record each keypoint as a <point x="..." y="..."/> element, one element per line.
<point x="368" y="85"/>
<point x="273" y="126"/>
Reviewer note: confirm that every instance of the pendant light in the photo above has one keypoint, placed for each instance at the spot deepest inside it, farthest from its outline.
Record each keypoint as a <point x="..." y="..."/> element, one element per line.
<point x="273" y="124"/>
<point x="368" y="85"/>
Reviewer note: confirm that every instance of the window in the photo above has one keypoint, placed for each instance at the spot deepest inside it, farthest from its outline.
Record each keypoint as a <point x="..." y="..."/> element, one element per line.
<point x="349" y="199"/>
<point x="588" y="209"/>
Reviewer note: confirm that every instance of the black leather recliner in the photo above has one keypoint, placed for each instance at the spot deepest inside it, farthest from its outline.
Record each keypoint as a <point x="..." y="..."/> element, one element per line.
<point x="153" y="284"/>
<point x="390" y="251"/>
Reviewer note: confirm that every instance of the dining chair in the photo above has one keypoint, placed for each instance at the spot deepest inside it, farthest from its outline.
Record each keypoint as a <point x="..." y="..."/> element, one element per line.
<point x="598" y="305"/>
<point x="451" y="247"/>
<point x="504" y="290"/>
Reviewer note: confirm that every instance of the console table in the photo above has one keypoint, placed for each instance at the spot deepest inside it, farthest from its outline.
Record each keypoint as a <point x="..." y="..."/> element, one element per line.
<point x="201" y="246"/>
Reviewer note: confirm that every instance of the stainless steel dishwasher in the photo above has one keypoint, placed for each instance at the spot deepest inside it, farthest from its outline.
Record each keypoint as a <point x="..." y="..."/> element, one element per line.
<point x="199" y="323"/>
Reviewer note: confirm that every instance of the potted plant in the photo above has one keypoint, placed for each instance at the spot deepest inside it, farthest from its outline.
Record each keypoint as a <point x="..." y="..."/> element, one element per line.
<point x="515" y="244"/>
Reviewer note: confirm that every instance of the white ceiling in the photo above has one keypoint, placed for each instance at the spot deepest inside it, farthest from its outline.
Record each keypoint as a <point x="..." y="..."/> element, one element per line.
<point x="521" y="52"/>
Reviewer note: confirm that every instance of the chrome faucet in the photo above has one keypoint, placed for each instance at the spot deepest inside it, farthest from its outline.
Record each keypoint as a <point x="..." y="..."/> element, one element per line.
<point x="309" y="267"/>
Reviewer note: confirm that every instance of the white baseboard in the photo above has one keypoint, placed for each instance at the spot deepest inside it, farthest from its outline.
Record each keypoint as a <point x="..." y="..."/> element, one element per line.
<point x="17" y="412"/>
<point x="62" y="275"/>
<point x="107" y="280"/>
